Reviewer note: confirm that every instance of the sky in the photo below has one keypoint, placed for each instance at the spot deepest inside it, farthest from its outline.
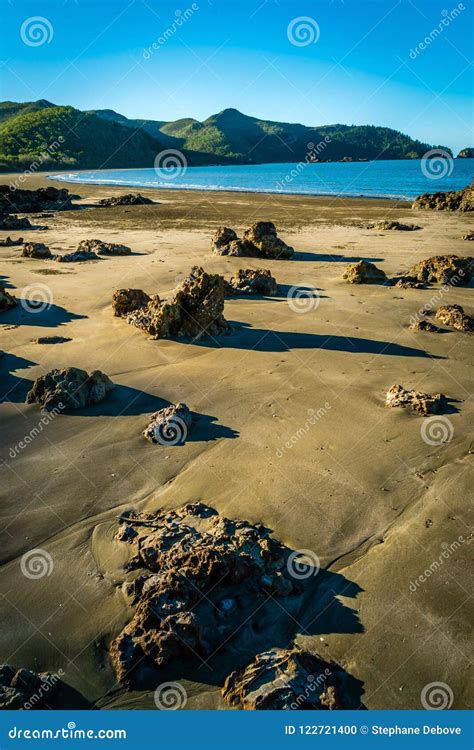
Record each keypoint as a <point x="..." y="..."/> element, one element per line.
<point x="319" y="62"/>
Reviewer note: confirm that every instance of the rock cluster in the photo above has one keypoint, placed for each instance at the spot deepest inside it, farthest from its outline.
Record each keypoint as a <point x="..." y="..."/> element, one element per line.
<point x="22" y="689"/>
<point x="130" y="199"/>
<point x="8" y="242"/>
<point x="393" y="225"/>
<point x="10" y="221"/>
<point x="7" y="301"/>
<point x="290" y="680"/>
<point x="33" y="201"/>
<point x="455" y="317"/>
<point x="440" y="269"/>
<point x="194" y="310"/>
<point x="126" y="301"/>
<point x="169" y="426"/>
<point x="70" y="388"/>
<point x="102" y="248"/>
<point x="259" y="241"/>
<point x="454" y="200"/>
<point x="469" y="236"/>
<point x="200" y="574"/>
<point x="37" y="250"/>
<point x="249" y="281"/>
<point x="417" y="402"/>
<point x="364" y="272"/>
<point x="77" y="256"/>
<point x="424" y="326"/>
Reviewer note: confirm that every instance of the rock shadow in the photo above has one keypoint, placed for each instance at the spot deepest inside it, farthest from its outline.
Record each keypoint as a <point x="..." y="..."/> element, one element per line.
<point x="37" y="311"/>
<point x="333" y="258"/>
<point x="12" y="387"/>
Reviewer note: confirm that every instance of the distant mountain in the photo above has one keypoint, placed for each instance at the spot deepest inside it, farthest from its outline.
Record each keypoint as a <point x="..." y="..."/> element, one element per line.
<point x="102" y="138"/>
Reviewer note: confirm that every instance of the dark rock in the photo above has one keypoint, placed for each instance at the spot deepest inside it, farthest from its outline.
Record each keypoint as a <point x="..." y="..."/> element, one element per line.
<point x="7" y="301"/>
<point x="126" y="301"/>
<point x="78" y="256"/>
<point x="8" y="242"/>
<point x="23" y="689"/>
<point x="70" y="388"/>
<point x="385" y="226"/>
<point x="33" y="201"/>
<point x="249" y="281"/>
<point x="130" y="199"/>
<point x="170" y="425"/>
<point x="9" y="221"/>
<point x="469" y="236"/>
<point x="36" y="250"/>
<point x="262" y="236"/>
<point x="424" y="326"/>
<point x="454" y="200"/>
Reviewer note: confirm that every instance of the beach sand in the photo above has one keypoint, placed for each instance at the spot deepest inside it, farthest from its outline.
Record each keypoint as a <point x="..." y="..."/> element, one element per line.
<point x="358" y="486"/>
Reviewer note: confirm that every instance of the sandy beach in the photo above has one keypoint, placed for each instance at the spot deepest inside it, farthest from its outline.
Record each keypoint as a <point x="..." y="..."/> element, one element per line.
<point x="292" y="432"/>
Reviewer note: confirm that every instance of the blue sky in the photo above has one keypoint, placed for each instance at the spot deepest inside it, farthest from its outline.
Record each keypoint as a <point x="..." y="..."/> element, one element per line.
<point x="366" y="65"/>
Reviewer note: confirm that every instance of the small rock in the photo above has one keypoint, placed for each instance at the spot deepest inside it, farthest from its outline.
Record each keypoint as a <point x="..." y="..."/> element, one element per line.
<point x="364" y="272"/>
<point x="70" y="388"/>
<point x="102" y="248"/>
<point x="130" y="199"/>
<point x="454" y="316"/>
<point x="170" y="425"/>
<point x="417" y="402"/>
<point x="78" y="256"/>
<point x="126" y="301"/>
<point x="36" y="250"/>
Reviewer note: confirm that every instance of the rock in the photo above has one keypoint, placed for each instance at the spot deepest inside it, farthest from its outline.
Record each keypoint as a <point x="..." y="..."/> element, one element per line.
<point x="363" y="272"/>
<point x="169" y="426"/>
<point x="130" y="199"/>
<point x="125" y="301"/>
<point x="420" y="403"/>
<point x="36" y="250"/>
<point x="454" y="200"/>
<point x="466" y="153"/>
<point x="440" y="269"/>
<point x="194" y="310"/>
<point x="469" y="236"/>
<point x="8" y="242"/>
<point x="70" y="388"/>
<point x="262" y="238"/>
<point x="291" y="679"/>
<point x="221" y="238"/>
<point x="454" y="316"/>
<point x="23" y="689"/>
<point x="33" y="201"/>
<point x="424" y="325"/>
<point x="249" y="281"/>
<point x="7" y="301"/>
<point x="78" y="256"/>
<point x="393" y="225"/>
<point x="9" y="221"/>
<point x="187" y="559"/>
<point x="102" y="248"/>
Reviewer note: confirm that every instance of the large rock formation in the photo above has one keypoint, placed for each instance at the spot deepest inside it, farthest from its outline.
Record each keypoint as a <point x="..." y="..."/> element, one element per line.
<point x="7" y="301"/>
<point x="194" y="310"/>
<point x="130" y="199"/>
<point x="23" y="689"/>
<point x="70" y="388"/>
<point x="199" y="576"/>
<point x="169" y="426"/>
<point x="454" y="200"/>
<point x="454" y="316"/>
<point x="126" y="301"/>
<point x="440" y="269"/>
<point x="36" y="250"/>
<point x="290" y="680"/>
<point x="102" y="248"/>
<point x="248" y="281"/>
<point x="364" y="272"/>
<point x="32" y="201"/>
<point x="260" y="241"/>
<point x="415" y="401"/>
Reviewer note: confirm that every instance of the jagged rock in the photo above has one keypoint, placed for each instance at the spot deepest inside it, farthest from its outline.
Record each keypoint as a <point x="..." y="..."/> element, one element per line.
<point x="70" y="388"/>
<point x="291" y="679"/>
<point x="36" y="250"/>
<point x="169" y="426"/>
<point x="249" y="281"/>
<point x="424" y="326"/>
<point x="393" y="225"/>
<point x="78" y="256"/>
<point x="262" y="236"/>
<point x="10" y="221"/>
<point x="23" y="689"/>
<point x="454" y="200"/>
<point x="420" y="403"/>
<point x="8" y="242"/>
<point x="7" y="300"/>
<point x="454" y="316"/>
<point x="364" y="272"/>
<point x="125" y="301"/>
<point x="221" y="238"/>
<point x="469" y="236"/>
<point x="440" y="269"/>
<point x="200" y="574"/>
<point x="102" y="248"/>
<point x="194" y="310"/>
<point x="130" y="199"/>
<point x="33" y="201"/>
